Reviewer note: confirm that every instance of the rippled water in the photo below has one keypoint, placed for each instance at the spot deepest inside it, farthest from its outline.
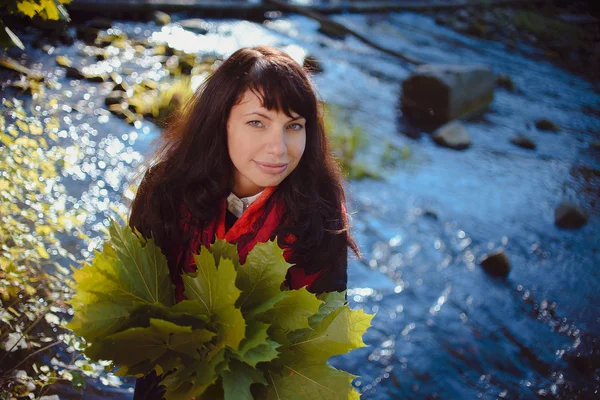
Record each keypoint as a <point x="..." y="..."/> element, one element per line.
<point x="444" y="329"/>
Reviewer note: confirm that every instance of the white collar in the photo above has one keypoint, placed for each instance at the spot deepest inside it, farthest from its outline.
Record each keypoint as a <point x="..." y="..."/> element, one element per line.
<point x="237" y="206"/>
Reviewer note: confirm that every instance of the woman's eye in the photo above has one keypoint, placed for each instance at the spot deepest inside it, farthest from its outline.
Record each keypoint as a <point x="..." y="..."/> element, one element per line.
<point x="256" y="124"/>
<point x="295" y="126"/>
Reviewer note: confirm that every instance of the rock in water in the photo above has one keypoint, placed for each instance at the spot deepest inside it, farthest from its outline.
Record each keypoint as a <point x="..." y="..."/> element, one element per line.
<point x="160" y="18"/>
<point x="523" y="141"/>
<point x="506" y="82"/>
<point x="569" y="216"/>
<point x="453" y="135"/>
<point x="196" y="25"/>
<point x="496" y="264"/>
<point x="546" y="125"/>
<point x="440" y="93"/>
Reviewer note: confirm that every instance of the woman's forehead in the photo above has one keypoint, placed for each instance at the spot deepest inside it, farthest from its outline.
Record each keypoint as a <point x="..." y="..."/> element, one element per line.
<point x="250" y="102"/>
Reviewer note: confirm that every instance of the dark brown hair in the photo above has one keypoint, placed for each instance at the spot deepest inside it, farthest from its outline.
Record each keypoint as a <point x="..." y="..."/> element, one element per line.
<point x="193" y="169"/>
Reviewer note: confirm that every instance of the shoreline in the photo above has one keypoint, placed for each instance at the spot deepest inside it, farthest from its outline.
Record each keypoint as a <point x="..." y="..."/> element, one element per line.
<point x="231" y="8"/>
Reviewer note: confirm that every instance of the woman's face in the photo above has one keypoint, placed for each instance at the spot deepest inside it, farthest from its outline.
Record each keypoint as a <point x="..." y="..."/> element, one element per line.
<point x="264" y="146"/>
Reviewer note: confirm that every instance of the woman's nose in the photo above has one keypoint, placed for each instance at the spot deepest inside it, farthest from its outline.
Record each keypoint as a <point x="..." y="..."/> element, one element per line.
<point x="276" y="142"/>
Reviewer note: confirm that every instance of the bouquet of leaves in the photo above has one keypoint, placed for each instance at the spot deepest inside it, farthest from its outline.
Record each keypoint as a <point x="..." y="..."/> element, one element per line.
<point x="239" y="327"/>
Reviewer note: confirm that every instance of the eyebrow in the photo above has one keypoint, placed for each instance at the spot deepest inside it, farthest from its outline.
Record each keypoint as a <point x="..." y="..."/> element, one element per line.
<point x="269" y="118"/>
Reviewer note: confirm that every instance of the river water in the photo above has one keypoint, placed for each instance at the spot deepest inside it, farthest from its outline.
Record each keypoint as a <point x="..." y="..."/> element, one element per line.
<point x="444" y="328"/>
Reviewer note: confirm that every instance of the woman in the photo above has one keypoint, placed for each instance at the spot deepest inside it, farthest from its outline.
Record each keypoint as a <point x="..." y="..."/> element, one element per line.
<point x="247" y="161"/>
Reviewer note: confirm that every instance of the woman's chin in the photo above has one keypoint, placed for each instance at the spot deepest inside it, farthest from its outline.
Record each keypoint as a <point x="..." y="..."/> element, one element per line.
<point x="268" y="181"/>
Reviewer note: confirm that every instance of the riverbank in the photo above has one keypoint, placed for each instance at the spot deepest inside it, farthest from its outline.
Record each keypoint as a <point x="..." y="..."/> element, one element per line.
<point x="229" y="7"/>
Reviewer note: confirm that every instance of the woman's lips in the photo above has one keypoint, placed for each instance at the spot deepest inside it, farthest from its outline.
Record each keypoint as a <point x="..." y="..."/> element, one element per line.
<point x="272" y="169"/>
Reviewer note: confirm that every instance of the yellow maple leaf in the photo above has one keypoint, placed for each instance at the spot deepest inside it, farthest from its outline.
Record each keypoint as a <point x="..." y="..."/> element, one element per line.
<point x="28" y="8"/>
<point x="51" y="10"/>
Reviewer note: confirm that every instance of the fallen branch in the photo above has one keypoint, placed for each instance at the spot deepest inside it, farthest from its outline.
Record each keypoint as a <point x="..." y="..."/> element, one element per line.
<point x="337" y="27"/>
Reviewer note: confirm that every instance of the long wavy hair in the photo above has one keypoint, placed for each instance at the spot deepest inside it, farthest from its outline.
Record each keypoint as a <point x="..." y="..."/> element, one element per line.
<point x="191" y="164"/>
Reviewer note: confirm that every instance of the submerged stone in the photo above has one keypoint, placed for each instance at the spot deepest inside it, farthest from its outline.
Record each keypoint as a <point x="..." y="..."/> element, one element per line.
<point x="545" y="124"/>
<point x="496" y="264"/>
<point x="506" y="82"/>
<point x="523" y="141"/>
<point x="569" y="216"/>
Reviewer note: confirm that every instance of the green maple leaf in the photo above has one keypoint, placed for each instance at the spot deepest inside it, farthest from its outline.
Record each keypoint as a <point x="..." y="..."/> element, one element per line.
<point x="215" y="290"/>
<point x="256" y="334"/>
<point x="256" y="347"/>
<point x="283" y="337"/>
<point x="180" y="314"/>
<point x="292" y="311"/>
<point x="136" y="345"/>
<point x="314" y="382"/>
<point x="99" y="320"/>
<point x="338" y="333"/>
<point x="265" y="306"/>
<point x="121" y="277"/>
<point x="261" y="276"/>
<point x="213" y="392"/>
<point x="220" y="249"/>
<point x="143" y="269"/>
<point x="165" y="363"/>
<point x="237" y="381"/>
<point x="295" y="336"/>
<point x="192" y="380"/>
<point x="331" y="302"/>
<point x="262" y="353"/>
